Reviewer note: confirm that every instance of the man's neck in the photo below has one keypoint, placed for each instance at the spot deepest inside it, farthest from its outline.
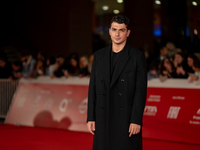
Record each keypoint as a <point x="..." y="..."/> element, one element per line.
<point x="118" y="47"/>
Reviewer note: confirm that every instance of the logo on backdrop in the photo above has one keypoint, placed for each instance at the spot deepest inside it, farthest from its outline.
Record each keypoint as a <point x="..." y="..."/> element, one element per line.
<point x="154" y="98"/>
<point x="178" y="97"/>
<point x="83" y="106"/>
<point x="63" y="105"/>
<point x="173" y="112"/>
<point x="150" y="110"/>
<point x="198" y="112"/>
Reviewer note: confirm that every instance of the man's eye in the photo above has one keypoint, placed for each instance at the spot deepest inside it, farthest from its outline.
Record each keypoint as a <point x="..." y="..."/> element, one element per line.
<point x="122" y="30"/>
<point x="113" y="29"/>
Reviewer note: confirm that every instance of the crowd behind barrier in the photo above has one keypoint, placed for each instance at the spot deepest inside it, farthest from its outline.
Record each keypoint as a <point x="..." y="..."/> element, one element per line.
<point x="171" y="108"/>
<point x="172" y="62"/>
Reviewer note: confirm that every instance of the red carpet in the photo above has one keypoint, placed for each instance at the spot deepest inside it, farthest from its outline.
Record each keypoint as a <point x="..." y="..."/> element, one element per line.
<point x="28" y="138"/>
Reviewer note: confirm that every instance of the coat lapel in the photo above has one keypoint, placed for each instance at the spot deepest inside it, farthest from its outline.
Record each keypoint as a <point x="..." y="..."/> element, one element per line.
<point x="106" y="65"/>
<point x="121" y="62"/>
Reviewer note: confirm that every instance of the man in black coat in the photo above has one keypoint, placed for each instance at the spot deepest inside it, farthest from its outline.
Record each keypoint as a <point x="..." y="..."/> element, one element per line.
<point x="117" y="92"/>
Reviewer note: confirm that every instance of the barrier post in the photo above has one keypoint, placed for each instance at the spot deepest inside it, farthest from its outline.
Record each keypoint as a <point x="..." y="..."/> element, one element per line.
<point x="7" y="90"/>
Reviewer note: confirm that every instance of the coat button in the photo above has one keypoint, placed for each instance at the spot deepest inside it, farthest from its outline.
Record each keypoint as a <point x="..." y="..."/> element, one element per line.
<point x="101" y="107"/>
<point x="102" y="94"/>
<point x="101" y="81"/>
<point x="120" y="107"/>
<point x="122" y="80"/>
<point x="120" y="94"/>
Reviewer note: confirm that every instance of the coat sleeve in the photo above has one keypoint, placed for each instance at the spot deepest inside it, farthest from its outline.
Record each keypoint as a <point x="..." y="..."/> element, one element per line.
<point x="92" y="94"/>
<point x="140" y="91"/>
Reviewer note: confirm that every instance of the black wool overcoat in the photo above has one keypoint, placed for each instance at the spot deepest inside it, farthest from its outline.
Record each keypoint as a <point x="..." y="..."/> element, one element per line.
<point x="115" y="102"/>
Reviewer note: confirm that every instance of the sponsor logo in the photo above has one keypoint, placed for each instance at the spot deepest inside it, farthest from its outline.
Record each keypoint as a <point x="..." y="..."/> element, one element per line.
<point x="154" y="98"/>
<point x="194" y="122"/>
<point x="198" y="112"/>
<point x="63" y="105"/>
<point x="83" y="106"/>
<point x="150" y="110"/>
<point x="48" y="103"/>
<point x="173" y="112"/>
<point x="178" y="97"/>
<point x="36" y="104"/>
<point x="196" y="117"/>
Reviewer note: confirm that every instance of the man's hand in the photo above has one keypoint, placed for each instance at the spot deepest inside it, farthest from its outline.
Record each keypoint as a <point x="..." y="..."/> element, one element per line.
<point x="91" y="126"/>
<point x="134" y="129"/>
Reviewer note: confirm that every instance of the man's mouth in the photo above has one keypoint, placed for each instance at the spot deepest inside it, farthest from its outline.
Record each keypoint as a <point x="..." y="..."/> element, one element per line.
<point x="117" y="39"/>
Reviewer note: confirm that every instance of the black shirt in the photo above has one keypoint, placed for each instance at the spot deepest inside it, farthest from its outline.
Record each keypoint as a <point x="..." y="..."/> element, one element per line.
<point x="114" y="58"/>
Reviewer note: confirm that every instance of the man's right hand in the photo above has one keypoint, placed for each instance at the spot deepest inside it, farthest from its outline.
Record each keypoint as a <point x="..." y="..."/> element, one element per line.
<point x="91" y="126"/>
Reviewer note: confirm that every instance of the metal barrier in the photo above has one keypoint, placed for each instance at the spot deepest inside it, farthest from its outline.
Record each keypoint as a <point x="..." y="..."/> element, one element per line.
<point x="7" y="90"/>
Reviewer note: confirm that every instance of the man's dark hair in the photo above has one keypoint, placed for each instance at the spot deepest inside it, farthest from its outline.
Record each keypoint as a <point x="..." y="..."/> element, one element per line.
<point x="120" y="19"/>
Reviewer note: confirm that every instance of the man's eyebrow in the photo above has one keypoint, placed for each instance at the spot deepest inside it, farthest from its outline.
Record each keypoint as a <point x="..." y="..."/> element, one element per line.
<point x="118" y="29"/>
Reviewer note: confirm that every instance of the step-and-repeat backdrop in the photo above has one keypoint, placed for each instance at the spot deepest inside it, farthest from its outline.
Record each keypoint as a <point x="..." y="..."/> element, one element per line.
<point x="172" y="110"/>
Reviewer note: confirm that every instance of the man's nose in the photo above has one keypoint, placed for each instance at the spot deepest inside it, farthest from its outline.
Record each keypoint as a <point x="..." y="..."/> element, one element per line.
<point x="117" y="33"/>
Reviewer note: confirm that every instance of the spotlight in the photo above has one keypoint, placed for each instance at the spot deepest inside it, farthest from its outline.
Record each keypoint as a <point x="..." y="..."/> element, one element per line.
<point x="195" y="31"/>
<point x="194" y="3"/>
<point x="105" y="7"/>
<point x="157" y="2"/>
<point x="120" y="1"/>
<point x="116" y="11"/>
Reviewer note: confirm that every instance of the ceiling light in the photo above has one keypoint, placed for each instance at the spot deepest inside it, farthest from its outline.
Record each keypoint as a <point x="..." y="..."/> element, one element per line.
<point x="120" y="1"/>
<point x="157" y="2"/>
<point x="195" y="31"/>
<point x="116" y="11"/>
<point x="194" y="3"/>
<point x="105" y="7"/>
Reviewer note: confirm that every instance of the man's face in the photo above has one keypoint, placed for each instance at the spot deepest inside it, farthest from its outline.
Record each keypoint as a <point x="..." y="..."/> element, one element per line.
<point x="118" y="33"/>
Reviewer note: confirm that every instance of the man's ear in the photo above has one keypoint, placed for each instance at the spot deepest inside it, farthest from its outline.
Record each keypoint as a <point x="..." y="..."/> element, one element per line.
<point x="129" y="31"/>
<point x="109" y="30"/>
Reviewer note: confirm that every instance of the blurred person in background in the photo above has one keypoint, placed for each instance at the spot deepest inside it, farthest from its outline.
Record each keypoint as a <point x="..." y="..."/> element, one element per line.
<point x="156" y="63"/>
<point x="154" y="70"/>
<point x="167" y="70"/>
<point x="196" y="76"/>
<point x="180" y="66"/>
<point x="16" y="70"/>
<point x="40" y="68"/>
<point x="91" y="58"/>
<point x="163" y="53"/>
<point x="73" y="66"/>
<point x="41" y="55"/>
<point x="147" y="58"/>
<point x="172" y="49"/>
<point x="83" y="64"/>
<point x="5" y="68"/>
<point x="60" y="68"/>
<point x="28" y="63"/>
<point x="190" y="61"/>
<point x="50" y="66"/>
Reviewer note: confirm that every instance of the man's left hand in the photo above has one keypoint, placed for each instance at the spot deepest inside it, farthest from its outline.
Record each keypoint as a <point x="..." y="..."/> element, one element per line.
<point x="134" y="129"/>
